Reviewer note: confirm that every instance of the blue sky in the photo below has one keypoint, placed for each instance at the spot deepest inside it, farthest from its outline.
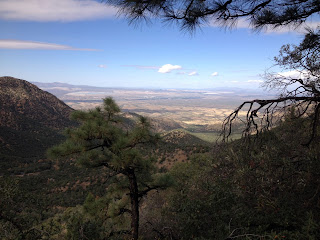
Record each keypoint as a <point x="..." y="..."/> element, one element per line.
<point x="83" y="42"/>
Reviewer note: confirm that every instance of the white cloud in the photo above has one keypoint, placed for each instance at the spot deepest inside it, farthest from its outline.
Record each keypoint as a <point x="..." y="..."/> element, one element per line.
<point x="292" y="74"/>
<point x="102" y="66"/>
<point x="301" y="29"/>
<point x="241" y="23"/>
<point x="295" y="74"/>
<point x="55" y="10"/>
<point x="215" y="74"/>
<point x="20" y="44"/>
<point x="168" y="68"/>
<point x="194" y="73"/>
<point x="254" y="81"/>
<point x="245" y="24"/>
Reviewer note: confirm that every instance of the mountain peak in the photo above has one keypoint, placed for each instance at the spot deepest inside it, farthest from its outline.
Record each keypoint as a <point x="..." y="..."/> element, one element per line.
<point x="23" y="105"/>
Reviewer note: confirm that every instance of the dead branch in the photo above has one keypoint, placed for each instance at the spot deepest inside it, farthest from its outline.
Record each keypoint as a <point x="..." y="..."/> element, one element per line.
<point x="265" y="111"/>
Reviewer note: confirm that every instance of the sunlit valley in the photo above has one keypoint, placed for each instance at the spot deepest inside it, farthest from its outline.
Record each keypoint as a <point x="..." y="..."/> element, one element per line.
<point x="198" y="111"/>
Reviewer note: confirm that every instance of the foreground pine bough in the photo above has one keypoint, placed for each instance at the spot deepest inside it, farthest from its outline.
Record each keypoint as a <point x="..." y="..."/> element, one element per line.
<point x="102" y="141"/>
<point x="191" y="14"/>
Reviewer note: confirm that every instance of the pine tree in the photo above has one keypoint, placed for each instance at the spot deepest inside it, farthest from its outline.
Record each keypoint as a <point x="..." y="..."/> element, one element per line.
<point x="102" y="140"/>
<point x="192" y="14"/>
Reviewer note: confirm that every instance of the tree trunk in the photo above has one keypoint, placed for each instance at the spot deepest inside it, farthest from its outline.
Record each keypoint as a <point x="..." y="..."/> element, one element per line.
<point x="134" y="197"/>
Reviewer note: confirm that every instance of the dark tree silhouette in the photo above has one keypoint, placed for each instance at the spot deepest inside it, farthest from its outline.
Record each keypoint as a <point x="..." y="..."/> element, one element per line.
<point x="190" y="14"/>
<point x="300" y="89"/>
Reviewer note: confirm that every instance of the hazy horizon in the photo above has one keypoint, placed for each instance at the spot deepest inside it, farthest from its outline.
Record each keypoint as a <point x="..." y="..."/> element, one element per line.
<point x="90" y="45"/>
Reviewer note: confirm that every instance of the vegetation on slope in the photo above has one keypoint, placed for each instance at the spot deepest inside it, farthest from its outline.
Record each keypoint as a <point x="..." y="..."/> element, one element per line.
<point x="251" y="188"/>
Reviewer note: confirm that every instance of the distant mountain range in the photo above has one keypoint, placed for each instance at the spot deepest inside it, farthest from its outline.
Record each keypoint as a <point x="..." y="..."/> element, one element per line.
<point x="58" y="88"/>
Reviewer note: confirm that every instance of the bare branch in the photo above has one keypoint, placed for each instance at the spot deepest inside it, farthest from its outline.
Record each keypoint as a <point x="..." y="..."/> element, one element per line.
<point x="270" y="106"/>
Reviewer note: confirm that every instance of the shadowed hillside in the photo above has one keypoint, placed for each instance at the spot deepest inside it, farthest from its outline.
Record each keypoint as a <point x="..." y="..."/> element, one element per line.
<point x="23" y="106"/>
<point x="30" y="122"/>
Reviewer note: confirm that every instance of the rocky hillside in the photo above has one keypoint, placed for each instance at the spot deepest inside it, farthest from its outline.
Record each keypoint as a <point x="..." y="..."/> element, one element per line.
<point x="23" y="106"/>
<point x="31" y="120"/>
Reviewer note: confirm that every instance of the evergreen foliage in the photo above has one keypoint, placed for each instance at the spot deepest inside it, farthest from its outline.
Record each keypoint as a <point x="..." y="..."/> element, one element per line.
<point x="20" y="211"/>
<point x="265" y="190"/>
<point x="262" y="189"/>
<point x="102" y="141"/>
<point x="191" y="14"/>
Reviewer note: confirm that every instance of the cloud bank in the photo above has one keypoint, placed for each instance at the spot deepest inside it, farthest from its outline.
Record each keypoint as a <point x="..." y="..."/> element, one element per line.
<point x="168" y="68"/>
<point x="55" y="10"/>
<point x="20" y="44"/>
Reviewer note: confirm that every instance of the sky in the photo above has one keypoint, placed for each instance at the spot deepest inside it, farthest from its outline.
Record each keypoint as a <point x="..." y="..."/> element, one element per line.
<point x="85" y="42"/>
